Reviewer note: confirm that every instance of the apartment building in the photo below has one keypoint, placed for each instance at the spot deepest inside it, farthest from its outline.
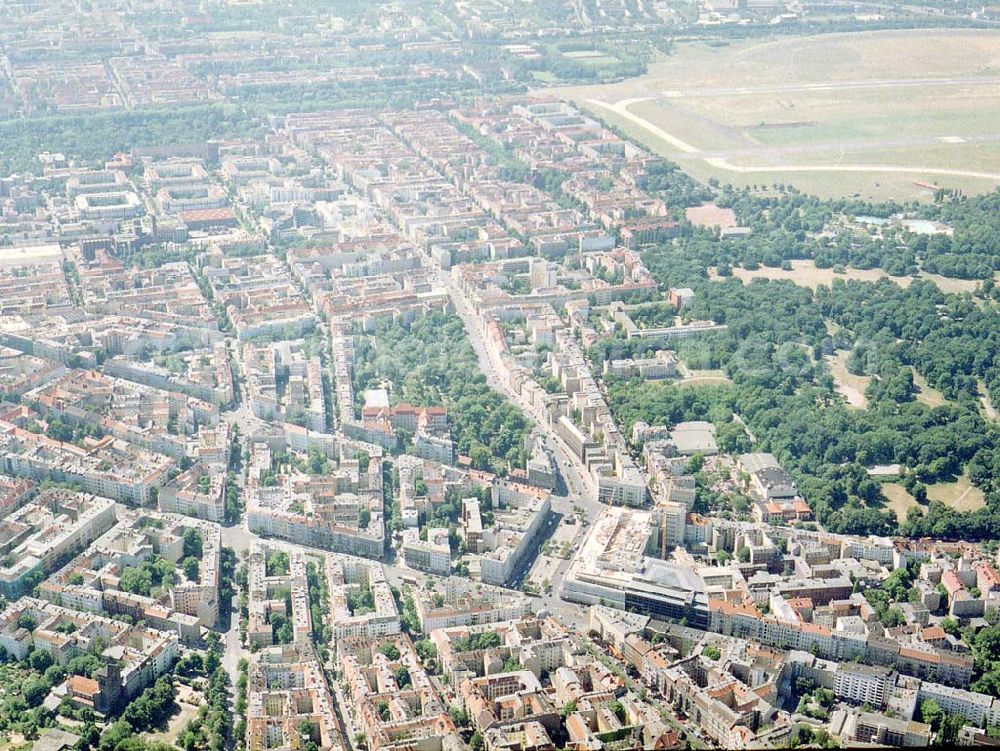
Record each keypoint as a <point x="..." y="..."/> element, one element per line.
<point x="340" y="512"/>
<point x="91" y="581"/>
<point x="197" y="492"/>
<point x="13" y="492"/>
<point x="432" y="555"/>
<point x="460" y="602"/>
<point x="108" y="466"/>
<point x="133" y="656"/>
<point x="521" y="517"/>
<point x="391" y="697"/>
<point x="272" y="594"/>
<point x="862" y="684"/>
<point x="538" y="645"/>
<point x="289" y="702"/>
<point x="880" y="730"/>
<point x="347" y="576"/>
<point x="41" y="535"/>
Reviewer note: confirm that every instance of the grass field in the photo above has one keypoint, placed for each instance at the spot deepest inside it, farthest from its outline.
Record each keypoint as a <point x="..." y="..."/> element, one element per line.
<point x="705" y="378"/>
<point x="188" y="699"/>
<point x="897" y="499"/>
<point x="805" y="274"/>
<point x="960" y="495"/>
<point x="851" y="387"/>
<point x="693" y="377"/>
<point x="872" y="114"/>
<point x="926" y="393"/>
<point x="989" y="410"/>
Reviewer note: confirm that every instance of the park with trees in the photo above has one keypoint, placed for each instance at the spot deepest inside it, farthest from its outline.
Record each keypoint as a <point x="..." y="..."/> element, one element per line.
<point x="781" y="336"/>
<point x="430" y="362"/>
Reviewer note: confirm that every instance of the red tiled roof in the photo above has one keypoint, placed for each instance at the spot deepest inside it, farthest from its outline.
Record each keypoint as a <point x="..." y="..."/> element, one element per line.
<point x="80" y="684"/>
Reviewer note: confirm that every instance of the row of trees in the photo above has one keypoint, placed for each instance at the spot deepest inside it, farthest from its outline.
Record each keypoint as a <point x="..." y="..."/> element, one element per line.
<point x="319" y="603"/>
<point x="212" y="728"/>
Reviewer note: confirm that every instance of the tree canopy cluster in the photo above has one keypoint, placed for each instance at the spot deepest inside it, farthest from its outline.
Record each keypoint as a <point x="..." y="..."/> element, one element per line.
<point x="787" y="225"/>
<point x="151" y="575"/>
<point x="776" y="347"/>
<point x="429" y="361"/>
<point x="212" y="728"/>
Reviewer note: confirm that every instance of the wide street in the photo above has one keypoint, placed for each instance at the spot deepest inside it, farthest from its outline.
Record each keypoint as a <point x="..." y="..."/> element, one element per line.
<point x="578" y="480"/>
<point x="574" y="495"/>
<point x="241" y="539"/>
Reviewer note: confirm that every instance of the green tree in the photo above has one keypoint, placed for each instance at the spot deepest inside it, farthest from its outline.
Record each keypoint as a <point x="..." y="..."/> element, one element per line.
<point x="389" y="650"/>
<point x="137" y="580"/>
<point x="277" y="563"/>
<point x="40" y="660"/>
<point x="931" y="713"/>
<point x="193" y="545"/>
<point x="459" y="716"/>
<point x="950" y="626"/>
<point x="34" y="690"/>
<point x="402" y="676"/>
<point x="26" y="621"/>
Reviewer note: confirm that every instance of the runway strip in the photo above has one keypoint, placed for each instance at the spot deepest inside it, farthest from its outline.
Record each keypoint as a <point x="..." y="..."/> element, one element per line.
<point x="620" y="108"/>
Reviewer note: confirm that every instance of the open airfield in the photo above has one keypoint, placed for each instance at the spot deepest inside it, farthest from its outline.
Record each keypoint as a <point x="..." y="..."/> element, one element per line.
<point x="878" y="115"/>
